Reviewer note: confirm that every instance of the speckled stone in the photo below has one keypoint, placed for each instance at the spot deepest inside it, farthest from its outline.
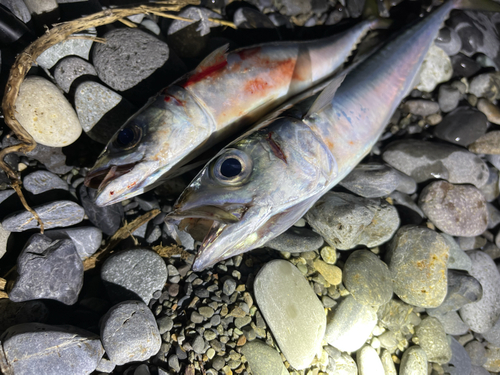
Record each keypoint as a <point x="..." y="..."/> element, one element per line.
<point x="491" y="111"/>
<point x="71" y="68"/>
<point x="417" y="259"/>
<point x="388" y="363"/>
<point x="477" y="352"/>
<point x="195" y="13"/>
<point x="453" y="324"/>
<point x="413" y="362"/>
<point x="486" y="85"/>
<point x="262" y="359"/>
<point x="432" y="339"/>
<point x="458" y="210"/>
<point x="492" y="359"/>
<point x="487" y="144"/>
<point x="41" y="181"/>
<point x="436" y="68"/>
<point x="367" y="278"/>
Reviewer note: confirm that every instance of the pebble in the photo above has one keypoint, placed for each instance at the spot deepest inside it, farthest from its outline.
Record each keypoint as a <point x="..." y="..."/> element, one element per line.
<point x="425" y="160"/>
<point x="464" y="66"/>
<point x="331" y="273"/>
<point x="449" y="41"/>
<point x="54" y="214"/>
<point x="477" y="352"/>
<point x="436" y="68"/>
<point x="367" y="278"/>
<point x="134" y="274"/>
<point x="492" y="359"/>
<point x="262" y="359"/>
<point x="453" y="129"/>
<point x="350" y="325"/>
<point x="448" y="98"/>
<point x="292" y="311"/>
<point x="296" y="240"/>
<point x="129" y="333"/>
<point x="87" y="240"/>
<point x="369" y="362"/>
<point x="377" y="180"/>
<point x="491" y="190"/>
<point x="345" y="220"/>
<point x="198" y="344"/>
<point x="489" y="143"/>
<point x="329" y="254"/>
<point x="417" y="259"/>
<point x="460" y="362"/>
<point x="198" y="14"/>
<point x="432" y="339"/>
<point x="248" y="18"/>
<point x="458" y="259"/>
<point x="453" y="324"/>
<point x="486" y="86"/>
<point x="491" y="111"/>
<point x="477" y="370"/>
<point x="413" y="362"/>
<point x="481" y="316"/>
<point x="408" y="210"/>
<point x="46" y="114"/>
<point x="420" y="107"/>
<point x="165" y="324"/>
<point x="48" y="269"/>
<point x="69" y="69"/>
<point x="229" y="286"/>
<point x="41" y="181"/>
<point x="13" y="313"/>
<point x="107" y="218"/>
<point x="18" y="8"/>
<point x="36" y="348"/>
<point x="458" y="210"/>
<point x="128" y="57"/>
<point x="345" y="365"/>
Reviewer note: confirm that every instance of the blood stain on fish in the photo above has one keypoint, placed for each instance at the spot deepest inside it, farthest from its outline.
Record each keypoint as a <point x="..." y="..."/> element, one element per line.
<point x="206" y="72"/>
<point x="275" y="147"/>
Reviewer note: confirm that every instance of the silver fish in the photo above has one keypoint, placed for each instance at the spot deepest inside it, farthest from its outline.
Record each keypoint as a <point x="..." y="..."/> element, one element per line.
<point x="226" y="92"/>
<point x="261" y="184"/>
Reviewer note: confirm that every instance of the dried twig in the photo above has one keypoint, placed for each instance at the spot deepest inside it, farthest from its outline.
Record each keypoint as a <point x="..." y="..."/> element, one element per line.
<point x="168" y="251"/>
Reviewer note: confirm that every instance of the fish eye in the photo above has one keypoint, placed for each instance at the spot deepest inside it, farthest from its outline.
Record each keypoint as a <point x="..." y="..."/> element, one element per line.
<point x="232" y="167"/>
<point x="128" y="137"/>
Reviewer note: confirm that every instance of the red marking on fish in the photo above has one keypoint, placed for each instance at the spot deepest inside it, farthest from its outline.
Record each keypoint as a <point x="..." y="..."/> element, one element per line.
<point x="111" y="192"/>
<point x="169" y="98"/>
<point x="206" y="72"/>
<point x="131" y="185"/>
<point x="256" y="85"/>
<point x="275" y="147"/>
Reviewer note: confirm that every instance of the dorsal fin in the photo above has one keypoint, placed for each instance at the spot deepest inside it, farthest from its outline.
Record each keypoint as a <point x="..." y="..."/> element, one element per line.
<point x="216" y="57"/>
<point x="327" y="94"/>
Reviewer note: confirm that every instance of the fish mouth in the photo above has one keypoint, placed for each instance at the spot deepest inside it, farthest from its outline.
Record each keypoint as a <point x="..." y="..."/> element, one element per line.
<point x="201" y="261"/>
<point x="100" y="178"/>
<point x="226" y="215"/>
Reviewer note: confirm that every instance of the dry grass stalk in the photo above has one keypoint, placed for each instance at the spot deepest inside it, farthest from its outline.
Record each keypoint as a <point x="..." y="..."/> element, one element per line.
<point x="168" y="251"/>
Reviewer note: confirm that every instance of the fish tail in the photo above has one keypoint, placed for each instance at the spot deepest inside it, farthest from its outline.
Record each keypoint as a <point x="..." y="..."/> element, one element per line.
<point x="482" y="5"/>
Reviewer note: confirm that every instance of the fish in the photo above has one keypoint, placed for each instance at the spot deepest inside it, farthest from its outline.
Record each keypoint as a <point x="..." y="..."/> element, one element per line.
<point x="262" y="183"/>
<point x="227" y="92"/>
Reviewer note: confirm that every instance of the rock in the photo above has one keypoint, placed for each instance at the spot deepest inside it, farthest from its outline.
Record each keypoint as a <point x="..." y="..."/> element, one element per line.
<point x="377" y="180"/>
<point x="492" y="359"/>
<point x="350" y="325"/>
<point x="331" y="273"/>
<point x="408" y="210"/>
<point x="413" y="362"/>
<point x="262" y="359"/>
<point x="292" y="7"/>
<point x="449" y="41"/>
<point x="493" y="335"/>
<point x="480" y="316"/>
<point x="107" y="218"/>
<point x="71" y="68"/>
<point x="229" y="286"/>
<point x="460" y="363"/>
<point x="18" y="8"/>
<point x="425" y="160"/>
<point x="458" y="259"/>
<point x="489" y="143"/>
<point x="491" y="111"/>
<point x="477" y="352"/>
<point x="87" y="240"/>
<point x="453" y="324"/>
<point x="249" y="18"/>
<point x="345" y="365"/>
<point x="165" y="324"/>
<point x="494" y="216"/>
<point x="13" y="313"/>
<point x="417" y="259"/>
<point x="134" y="274"/>
<point x="367" y="278"/>
<point x="486" y="86"/>
<point x="329" y="254"/>
<point x="388" y="363"/>
<point x="36" y="348"/>
<point x="432" y="339"/>
<point x="420" y="107"/>
<point x="4" y="238"/>
<point x="128" y="57"/>
<point x="292" y="311"/>
<point x="436" y="68"/>
<point x="345" y="220"/>
<point x="195" y="13"/>
<point x="41" y="181"/>
<point x="46" y="114"/>
<point x="54" y="214"/>
<point x="369" y="362"/>
<point x="448" y="98"/>
<point x="129" y="333"/>
<point x="48" y="269"/>
<point x="452" y="127"/>
<point x="471" y="243"/>
<point x="491" y="190"/>
<point x="296" y="240"/>
<point x="459" y="210"/>
<point x="464" y="66"/>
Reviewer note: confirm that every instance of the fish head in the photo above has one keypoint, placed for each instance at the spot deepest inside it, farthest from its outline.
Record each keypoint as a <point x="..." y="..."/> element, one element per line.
<point x="254" y="189"/>
<point x="149" y="145"/>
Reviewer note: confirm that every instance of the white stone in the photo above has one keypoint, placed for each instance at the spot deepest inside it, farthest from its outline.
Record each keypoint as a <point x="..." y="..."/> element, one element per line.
<point x="435" y="69"/>
<point x="388" y="363"/>
<point x="345" y="365"/>
<point x="46" y="114"/>
<point x="369" y="362"/>
<point x="292" y="310"/>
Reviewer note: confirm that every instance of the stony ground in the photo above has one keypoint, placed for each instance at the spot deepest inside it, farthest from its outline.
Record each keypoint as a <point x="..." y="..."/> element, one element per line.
<point x="393" y="272"/>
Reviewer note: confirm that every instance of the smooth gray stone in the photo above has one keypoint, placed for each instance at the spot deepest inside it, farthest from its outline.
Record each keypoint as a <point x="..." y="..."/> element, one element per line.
<point x="262" y="359"/>
<point x="4" y="238"/>
<point x="448" y="98"/>
<point x="477" y="352"/>
<point x="453" y="129"/>
<point x="345" y="220"/>
<point x="296" y="240"/>
<point x="195" y="13"/>
<point x="350" y="325"/>
<point x="198" y="344"/>
<point x="13" y="313"/>
<point x="134" y="274"/>
<point x="424" y="160"/>
<point x="493" y="216"/>
<point x="69" y="69"/>
<point x="471" y="243"/>
<point x="432" y="339"/>
<point x="453" y="324"/>
<point x="420" y="107"/>
<point x="107" y="366"/>
<point x="369" y="362"/>
<point x="388" y="363"/>
<point x="460" y="363"/>
<point x="482" y="315"/>
<point x="87" y="240"/>
<point x="377" y="180"/>
<point x="458" y="210"/>
<point x="367" y="278"/>
<point x="4" y="194"/>
<point x="54" y="214"/>
<point x="249" y="18"/>
<point x="48" y="269"/>
<point x="478" y="370"/>
<point x="449" y="41"/>
<point x="491" y="190"/>
<point x="292" y="311"/>
<point x="293" y="7"/>
<point x="493" y="334"/>
<point x="129" y="333"/>
<point x="417" y="259"/>
<point x="41" y="181"/>
<point x="458" y="259"/>
<point x="18" y="8"/>
<point x="128" y="57"/>
<point x="464" y="66"/>
<point x="413" y="362"/>
<point x="486" y="85"/>
<point x="107" y="218"/>
<point x="494" y="159"/>
<point x="36" y="348"/>
<point x="462" y="289"/>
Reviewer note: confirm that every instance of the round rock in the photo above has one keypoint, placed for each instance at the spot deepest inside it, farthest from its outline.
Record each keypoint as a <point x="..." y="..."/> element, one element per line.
<point x="413" y="362"/>
<point x="487" y="144"/>
<point x="448" y="98"/>
<point x="369" y="362"/>
<point x="432" y="339"/>
<point x="458" y="210"/>
<point x="462" y="126"/>
<point x="87" y="240"/>
<point x="42" y="181"/>
<point x="129" y="333"/>
<point x="46" y="114"/>
<point x="436" y="68"/>
<point x="367" y="278"/>
<point x="134" y="274"/>
<point x="296" y="240"/>
<point x="262" y="359"/>
<point x="71" y="68"/>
